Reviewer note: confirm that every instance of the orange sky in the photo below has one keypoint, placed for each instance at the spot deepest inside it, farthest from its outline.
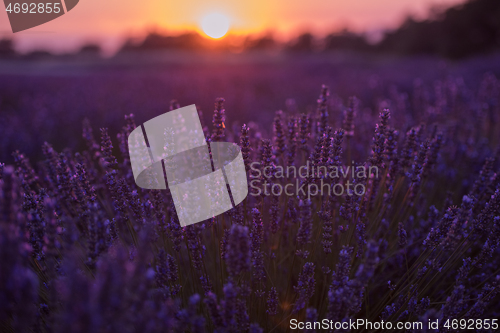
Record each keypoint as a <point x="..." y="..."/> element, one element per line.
<point x="108" y="21"/>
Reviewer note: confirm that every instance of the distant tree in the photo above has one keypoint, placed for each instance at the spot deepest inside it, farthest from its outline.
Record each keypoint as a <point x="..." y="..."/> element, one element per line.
<point x="460" y="31"/>
<point x="263" y="43"/>
<point x="37" y="55"/>
<point x="90" y="49"/>
<point x="457" y="32"/>
<point x="303" y="43"/>
<point x="155" y="41"/>
<point x="6" y="48"/>
<point x="345" y="40"/>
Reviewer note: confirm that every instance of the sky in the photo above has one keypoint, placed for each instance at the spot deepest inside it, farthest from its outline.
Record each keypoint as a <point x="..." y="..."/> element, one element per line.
<point x="109" y="22"/>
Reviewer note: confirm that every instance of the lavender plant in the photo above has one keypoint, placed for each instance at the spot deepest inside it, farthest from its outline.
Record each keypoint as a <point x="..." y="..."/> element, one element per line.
<point x="82" y="249"/>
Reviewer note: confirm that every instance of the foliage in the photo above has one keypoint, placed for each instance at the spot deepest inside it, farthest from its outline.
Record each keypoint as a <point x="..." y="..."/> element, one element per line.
<point x="82" y="249"/>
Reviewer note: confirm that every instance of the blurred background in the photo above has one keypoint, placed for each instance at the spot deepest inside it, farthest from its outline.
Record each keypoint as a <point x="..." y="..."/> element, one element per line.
<point x="103" y="60"/>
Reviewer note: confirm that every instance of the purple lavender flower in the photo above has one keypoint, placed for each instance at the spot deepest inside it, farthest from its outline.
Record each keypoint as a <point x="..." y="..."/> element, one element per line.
<point x="272" y="302"/>
<point x="323" y="110"/>
<point x="35" y="207"/>
<point x="195" y="247"/>
<point x="391" y="145"/>
<point x="20" y="283"/>
<point x="274" y="213"/>
<point x="88" y="191"/>
<point x="245" y="146"/>
<point x="258" y="270"/>
<point x="175" y="229"/>
<point x="305" y="286"/>
<point x="255" y="328"/>
<point x="218" y="133"/>
<point x="402" y="235"/>
<point x="229" y="307"/>
<point x="305" y="227"/>
<point x="266" y="153"/>
<point x="363" y="275"/>
<point x="256" y="237"/>
<point x="77" y="236"/>
<point x="116" y="192"/>
<point x="326" y="217"/>
<point x="408" y="150"/>
<point x="215" y="310"/>
<point x="340" y="276"/>
<point x="88" y="136"/>
<point x="238" y="251"/>
<point x="109" y="160"/>
<point x="123" y="137"/>
<point x="433" y="154"/>
<point x="455" y="303"/>
<point x="361" y="237"/>
<point x="237" y="214"/>
<point x="279" y="134"/>
<point x="420" y="161"/>
<point x="304" y="132"/>
<point x="484" y="298"/>
<point x="311" y="318"/>
<point x="490" y="245"/>
<point x="336" y="148"/>
<point x="167" y="273"/>
<point x="439" y="232"/>
<point x="379" y="139"/>
<point x="242" y="318"/>
<point x="292" y="140"/>
<point x="206" y="284"/>
<point x="349" y="114"/>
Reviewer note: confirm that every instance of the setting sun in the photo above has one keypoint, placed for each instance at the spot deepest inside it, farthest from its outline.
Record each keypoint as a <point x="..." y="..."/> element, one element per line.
<point x="215" y="25"/>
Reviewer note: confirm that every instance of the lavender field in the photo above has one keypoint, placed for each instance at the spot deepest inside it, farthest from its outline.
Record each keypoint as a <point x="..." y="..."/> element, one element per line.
<point x="83" y="249"/>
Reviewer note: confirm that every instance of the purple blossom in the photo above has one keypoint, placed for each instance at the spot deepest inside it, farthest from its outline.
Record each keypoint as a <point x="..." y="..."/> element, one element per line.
<point x="402" y="235"/>
<point x="305" y="220"/>
<point x="245" y="146"/>
<point x="349" y="114"/>
<point x="323" y="110"/>
<point x="304" y="132"/>
<point x="82" y="248"/>
<point x="109" y="161"/>
<point x="439" y="232"/>
<point x="379" y="139"/>
<point x="274" y="212"/>
<point x="305" y="286"/>
<point x="167" y="273"/>
<point x="408" y="150"/>
<point x="272" y="302"/>
<point x="238" y="251"/>
<point x="292" y="140"/>
<point x="218" y="132"/>
<point x="279" y="134"/>
<point x="311" y="317"/>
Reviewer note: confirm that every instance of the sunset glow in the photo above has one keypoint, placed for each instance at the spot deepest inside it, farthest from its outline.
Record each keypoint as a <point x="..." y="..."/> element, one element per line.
<point x="115" y="20"/>
<point x="215" y="25"/>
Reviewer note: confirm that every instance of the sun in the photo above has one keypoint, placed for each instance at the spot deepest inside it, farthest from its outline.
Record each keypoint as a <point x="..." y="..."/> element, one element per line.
<point x="215" y="25"/>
